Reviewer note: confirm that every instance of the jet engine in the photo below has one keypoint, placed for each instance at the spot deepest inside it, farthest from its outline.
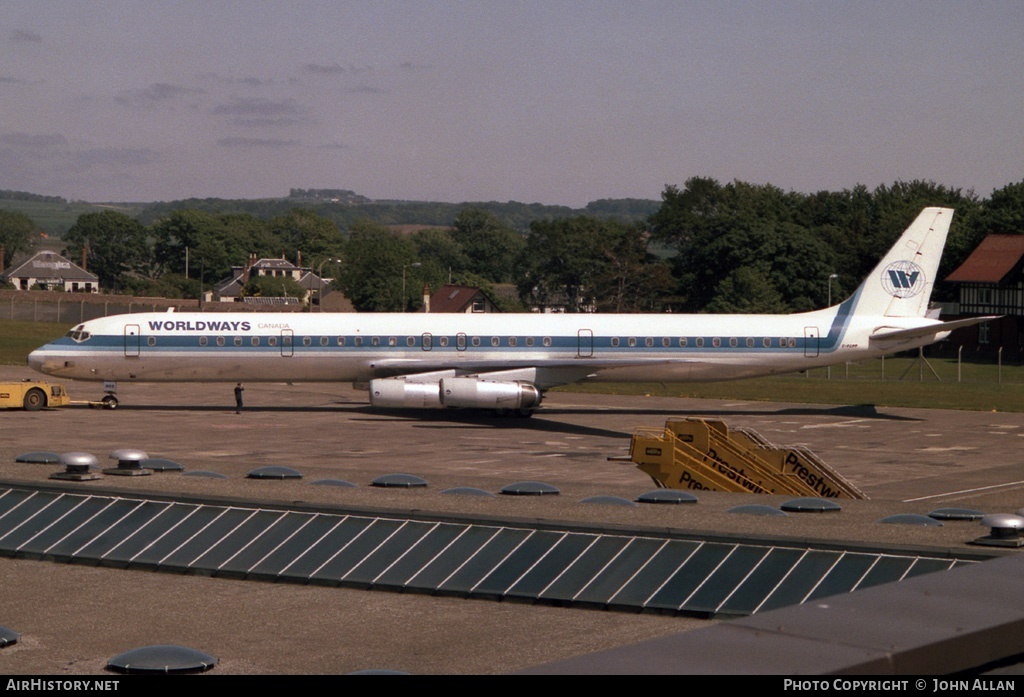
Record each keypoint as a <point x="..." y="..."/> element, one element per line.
<point x="389" y="392"/>
<point x="486" y="394"/>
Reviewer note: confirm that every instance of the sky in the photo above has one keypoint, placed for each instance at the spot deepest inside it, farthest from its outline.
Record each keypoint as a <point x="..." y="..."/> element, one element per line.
<point x="538" y="101"/>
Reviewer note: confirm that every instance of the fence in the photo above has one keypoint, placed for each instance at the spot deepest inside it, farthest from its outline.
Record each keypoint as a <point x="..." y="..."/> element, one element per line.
<point x="74" y="308"/>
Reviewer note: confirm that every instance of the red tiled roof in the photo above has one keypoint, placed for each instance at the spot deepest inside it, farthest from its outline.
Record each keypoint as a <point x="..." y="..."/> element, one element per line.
<point x="452" y="298"/>
<point x="995" y="257"/>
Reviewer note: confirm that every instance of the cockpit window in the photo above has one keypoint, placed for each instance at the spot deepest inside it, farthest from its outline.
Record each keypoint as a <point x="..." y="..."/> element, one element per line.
<point x="78" y="334"/>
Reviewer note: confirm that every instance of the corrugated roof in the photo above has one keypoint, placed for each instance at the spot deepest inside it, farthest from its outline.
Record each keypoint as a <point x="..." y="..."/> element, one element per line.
<point x="994" y="259"/>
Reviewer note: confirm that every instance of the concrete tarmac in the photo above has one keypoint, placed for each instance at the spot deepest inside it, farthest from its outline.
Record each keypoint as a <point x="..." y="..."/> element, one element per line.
<point x="74" y="618"/>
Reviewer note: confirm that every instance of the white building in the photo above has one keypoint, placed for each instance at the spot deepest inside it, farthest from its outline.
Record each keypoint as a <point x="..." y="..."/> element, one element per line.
<point x="51" y="271"/>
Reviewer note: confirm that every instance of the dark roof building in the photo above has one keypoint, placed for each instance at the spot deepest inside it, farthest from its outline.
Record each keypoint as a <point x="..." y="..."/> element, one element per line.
<point x="455" y="298"/>
<point x="51" y="271"/>
<point x="991" y="282"/>
<point x="231" y="288"/>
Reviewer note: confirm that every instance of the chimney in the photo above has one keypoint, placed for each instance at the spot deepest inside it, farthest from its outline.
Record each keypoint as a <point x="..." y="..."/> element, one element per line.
<point x="248" y="267"/>
<point x="298" y="254"/>
<point x="426" y="298"/>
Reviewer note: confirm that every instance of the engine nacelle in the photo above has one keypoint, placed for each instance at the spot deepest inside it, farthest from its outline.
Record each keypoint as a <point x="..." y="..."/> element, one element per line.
<point x="389" y="392"/>
<point x="475" y="393"/>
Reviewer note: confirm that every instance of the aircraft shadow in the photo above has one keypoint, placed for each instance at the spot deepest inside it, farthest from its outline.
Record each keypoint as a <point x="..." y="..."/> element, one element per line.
<point x="544" y="421"/>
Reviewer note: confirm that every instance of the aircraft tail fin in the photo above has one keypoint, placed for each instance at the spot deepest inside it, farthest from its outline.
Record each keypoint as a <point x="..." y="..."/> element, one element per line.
<point x="901" y="285"/>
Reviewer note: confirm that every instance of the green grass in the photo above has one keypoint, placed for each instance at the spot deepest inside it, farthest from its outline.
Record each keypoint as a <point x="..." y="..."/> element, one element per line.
<point x="18" y="338"/>
<point x="902" y="382"/>
<point x="57" y="218"/>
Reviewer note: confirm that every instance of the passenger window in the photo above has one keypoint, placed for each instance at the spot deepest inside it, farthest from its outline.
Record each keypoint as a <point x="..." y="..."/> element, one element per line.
<point x="443" y="341"/>
<point x="255" y="341"/>
<point x="615" y="342"/>
<point x="649" y="342"/>
<point x="495" y="341"/>
<point x="734" y="342"/>
<point x="682" y="342"/>
<point x="631" y="341"/>
<point x="410" y="341"/>
<point x="220" y="341"/>
<point x="271" y="341"/>
<point x="151" y="341"/>
<point x="324" y="341"/>
<point x="358" y="341"/>
<point x="547" y="341"/>
<point x="341" y="341"/>
<point x="238" y="341"/>
<point x="716" y="342"/>
<point x="203" y="341"/>
<point x="392" y="341"/>
<point x="307" y="341"/>
<point x="476" y="341"/>
<point x="666" y="342"/>
<point x="529" y="341"/>
<point x="512" y="341"/>
<point x="700" y="342"/>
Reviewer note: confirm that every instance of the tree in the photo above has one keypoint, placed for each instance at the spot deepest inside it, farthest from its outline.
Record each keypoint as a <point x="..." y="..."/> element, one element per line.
<point x="209" y="244"/>
<point x="371" y="277"/>
<point x="16" y="233"/>
<point x="303" y="231"/>
<point x="581" y="262"/>
<point x="273" y="287"/>
<point x="115" y="245"/>
<point x="490" y="247"/>
<point x="746" y="290"/>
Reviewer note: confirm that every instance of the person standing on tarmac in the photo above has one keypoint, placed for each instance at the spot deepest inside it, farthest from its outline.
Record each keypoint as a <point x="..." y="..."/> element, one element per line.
<point x="238" y="398"/>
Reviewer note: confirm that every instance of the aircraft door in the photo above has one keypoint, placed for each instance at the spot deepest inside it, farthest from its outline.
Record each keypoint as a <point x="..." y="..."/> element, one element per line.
<point x="287" y="343"/>
<point x="585" y="343"/>
<point x="812" y="342"/>
<point x="132" y="341"/>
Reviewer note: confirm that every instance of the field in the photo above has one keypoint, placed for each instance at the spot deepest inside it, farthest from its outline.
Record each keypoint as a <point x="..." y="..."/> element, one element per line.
<point x="57" y="218"/>
<point x="893" y="382"/>
<point x="17" y="338"/>
<point x="978" y="390"/>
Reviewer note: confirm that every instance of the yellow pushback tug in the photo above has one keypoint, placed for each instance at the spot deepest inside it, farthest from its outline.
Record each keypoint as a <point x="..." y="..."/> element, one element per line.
<point x="32" y="395"/>
<point x="699" y="454"/>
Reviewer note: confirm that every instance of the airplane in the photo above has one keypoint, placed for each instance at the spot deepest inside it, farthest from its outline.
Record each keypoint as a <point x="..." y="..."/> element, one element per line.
<point x="505" y="362"/>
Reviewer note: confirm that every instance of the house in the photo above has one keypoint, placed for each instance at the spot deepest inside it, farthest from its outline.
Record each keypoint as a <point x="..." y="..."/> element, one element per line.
<point x="50" y="271"/>
<point x="991" y="282"/>
<point x="230" y="289"/>
<point x="455" y="298"/>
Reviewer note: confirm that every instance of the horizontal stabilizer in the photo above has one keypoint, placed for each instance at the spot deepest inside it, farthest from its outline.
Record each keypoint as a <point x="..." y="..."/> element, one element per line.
<point x="885" y="334"/>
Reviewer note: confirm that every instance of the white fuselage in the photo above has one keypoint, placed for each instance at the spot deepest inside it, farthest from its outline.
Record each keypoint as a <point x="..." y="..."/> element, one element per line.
<point x="360" y="347"/>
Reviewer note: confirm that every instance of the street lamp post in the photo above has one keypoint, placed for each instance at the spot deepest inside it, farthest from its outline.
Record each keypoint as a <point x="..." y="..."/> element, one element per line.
<point x="320" y="284"/>
<point x="414" y="265"/>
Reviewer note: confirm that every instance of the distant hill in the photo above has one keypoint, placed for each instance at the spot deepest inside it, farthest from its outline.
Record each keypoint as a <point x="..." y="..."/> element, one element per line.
<point x="55" y="215"/>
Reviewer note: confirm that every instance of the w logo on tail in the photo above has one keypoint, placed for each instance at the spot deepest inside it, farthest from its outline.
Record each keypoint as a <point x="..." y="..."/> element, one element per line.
<point x="903" y="279"/>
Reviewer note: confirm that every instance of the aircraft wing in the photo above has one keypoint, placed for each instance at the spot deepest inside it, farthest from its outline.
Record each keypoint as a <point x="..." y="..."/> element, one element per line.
<point x="891" y="334"/>
<point x="544" y="377"/>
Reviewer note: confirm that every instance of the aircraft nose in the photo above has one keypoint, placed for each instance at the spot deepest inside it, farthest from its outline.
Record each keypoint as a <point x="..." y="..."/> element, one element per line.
<point x="35" y="360"/>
